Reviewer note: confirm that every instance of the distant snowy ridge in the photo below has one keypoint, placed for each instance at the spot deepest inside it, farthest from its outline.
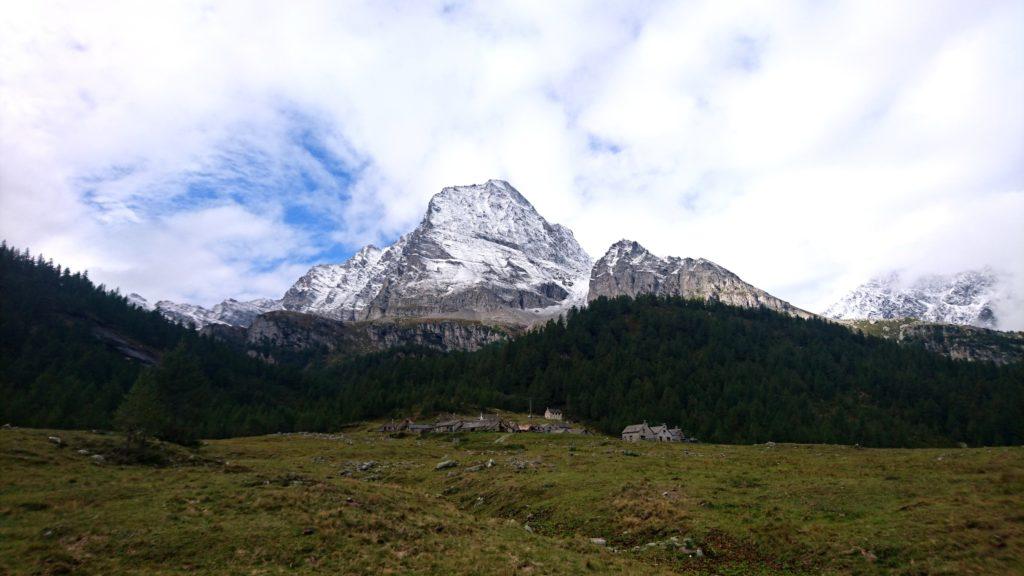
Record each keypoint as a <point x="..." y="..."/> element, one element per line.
<point x="139" y="302"/>
<point x="965" y="298"/>
<point x="229" y="312"/>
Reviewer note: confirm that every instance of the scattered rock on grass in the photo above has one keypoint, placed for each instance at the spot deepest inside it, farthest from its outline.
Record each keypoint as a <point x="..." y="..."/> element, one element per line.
<point x="446" y="464"/>
<point x="599" y="541"/>
<point x="685" y="546"/>
<point x="56" y="441"/>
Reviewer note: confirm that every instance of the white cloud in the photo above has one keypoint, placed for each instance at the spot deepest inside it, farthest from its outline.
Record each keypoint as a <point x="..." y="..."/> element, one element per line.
<point x="803" y="145"/>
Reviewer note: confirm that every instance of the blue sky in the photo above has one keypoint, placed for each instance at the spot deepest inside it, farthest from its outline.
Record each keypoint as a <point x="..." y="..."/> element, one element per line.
<point x="197" y="151"/>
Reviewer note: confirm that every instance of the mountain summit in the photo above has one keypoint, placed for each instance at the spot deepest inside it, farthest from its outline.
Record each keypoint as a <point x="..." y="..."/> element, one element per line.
<point x="481" y="252"/>
<point x="629" y="269"/>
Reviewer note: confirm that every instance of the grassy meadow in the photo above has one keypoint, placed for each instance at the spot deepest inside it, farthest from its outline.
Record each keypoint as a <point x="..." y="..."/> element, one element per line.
<point x="359" y="502"/>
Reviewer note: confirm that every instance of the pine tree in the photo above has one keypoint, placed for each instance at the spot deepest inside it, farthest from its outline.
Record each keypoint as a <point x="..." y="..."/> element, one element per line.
<point x="143" y="412"/>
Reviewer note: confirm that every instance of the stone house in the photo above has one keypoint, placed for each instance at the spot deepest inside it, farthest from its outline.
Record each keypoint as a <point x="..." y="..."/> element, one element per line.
<point x="486" y="425"/>
<point x="448" y="426"/>
<point x="420" y="428"/>
<point x="665" y="434"/>
<point x="637" y="432"/>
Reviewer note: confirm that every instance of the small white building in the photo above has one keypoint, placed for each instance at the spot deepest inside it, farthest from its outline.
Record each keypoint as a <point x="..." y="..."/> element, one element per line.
<point x="552" y="414"/>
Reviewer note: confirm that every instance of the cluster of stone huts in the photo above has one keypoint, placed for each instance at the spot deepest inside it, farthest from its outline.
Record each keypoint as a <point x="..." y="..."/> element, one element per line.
<point x="484" y="423"/>
<point x="644" y="432"/>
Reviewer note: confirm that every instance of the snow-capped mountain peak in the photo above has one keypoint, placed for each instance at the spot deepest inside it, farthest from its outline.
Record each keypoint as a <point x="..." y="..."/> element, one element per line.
<point x="481" y="252"/>
<point x="624" y="250"/>
<point x="496" y="212"/>
<point x="966" y="297"/>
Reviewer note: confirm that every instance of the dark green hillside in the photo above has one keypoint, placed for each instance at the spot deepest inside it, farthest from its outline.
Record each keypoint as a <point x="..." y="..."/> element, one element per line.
<point x="70" y="350"/>
<point x="724" y="374"/>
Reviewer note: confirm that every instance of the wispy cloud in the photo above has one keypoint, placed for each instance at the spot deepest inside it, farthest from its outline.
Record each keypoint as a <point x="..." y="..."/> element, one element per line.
<point x="199" y="151"/>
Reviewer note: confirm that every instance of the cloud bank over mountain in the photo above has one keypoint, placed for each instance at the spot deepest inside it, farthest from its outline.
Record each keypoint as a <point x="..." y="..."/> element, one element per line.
<point x="197" y="151"/>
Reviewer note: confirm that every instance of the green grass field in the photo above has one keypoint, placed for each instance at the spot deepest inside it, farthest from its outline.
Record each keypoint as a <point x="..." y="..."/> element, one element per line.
<point x="362" y="503"/>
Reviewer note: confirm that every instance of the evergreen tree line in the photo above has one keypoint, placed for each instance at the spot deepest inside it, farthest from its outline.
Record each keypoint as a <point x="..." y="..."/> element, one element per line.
<point x="60" y="367"/>
<point x="723" y="374"/>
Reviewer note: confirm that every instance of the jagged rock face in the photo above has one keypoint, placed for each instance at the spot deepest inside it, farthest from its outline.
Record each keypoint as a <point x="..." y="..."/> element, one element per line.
<point x="445" y="335"/>
<point x="297" y="331"/>
<point x="965" y="342"/>
<point x="965" y="298"/>
<point x="340" y="291"/>
<point x="629" y="269"/>
<point x="481" y="252"/>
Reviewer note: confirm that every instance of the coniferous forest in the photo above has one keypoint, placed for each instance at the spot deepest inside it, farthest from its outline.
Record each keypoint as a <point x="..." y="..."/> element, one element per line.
<point x="75" y="355"/>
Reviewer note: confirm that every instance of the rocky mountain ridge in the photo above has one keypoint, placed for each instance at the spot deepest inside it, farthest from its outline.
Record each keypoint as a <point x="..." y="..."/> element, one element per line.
<point x="629" y="269"/>
<point x="230" y="312"/>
